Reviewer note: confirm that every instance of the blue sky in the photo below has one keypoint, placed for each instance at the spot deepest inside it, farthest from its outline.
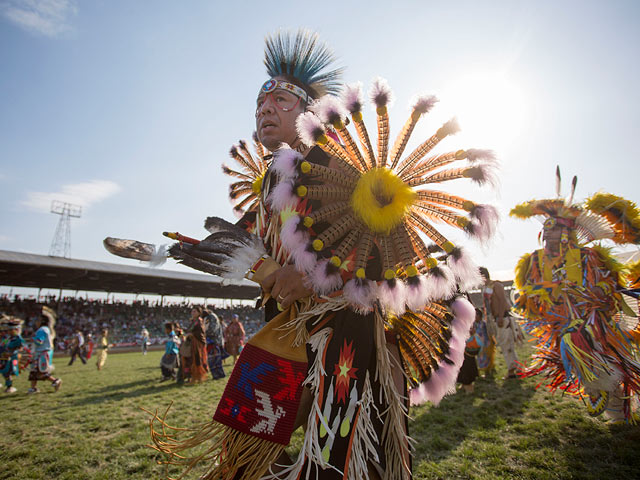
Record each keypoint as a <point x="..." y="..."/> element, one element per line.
<point x="129" y="108"/>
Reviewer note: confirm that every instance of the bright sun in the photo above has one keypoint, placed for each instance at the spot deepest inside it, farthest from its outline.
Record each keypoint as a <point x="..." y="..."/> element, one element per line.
<point x="489" y="108"/>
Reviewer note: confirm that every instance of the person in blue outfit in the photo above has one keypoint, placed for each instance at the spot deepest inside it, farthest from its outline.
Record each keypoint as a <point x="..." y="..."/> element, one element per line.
<point x="169" y="360"/>
<point x="43" y="355"/>
<point x="11" y="347"/>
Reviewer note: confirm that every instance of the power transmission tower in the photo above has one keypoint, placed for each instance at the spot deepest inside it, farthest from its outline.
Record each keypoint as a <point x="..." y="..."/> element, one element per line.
<point x="61" y="244"/>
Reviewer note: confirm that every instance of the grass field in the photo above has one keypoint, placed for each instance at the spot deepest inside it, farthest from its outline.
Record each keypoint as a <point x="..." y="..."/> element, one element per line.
<point x="93" y="428"/>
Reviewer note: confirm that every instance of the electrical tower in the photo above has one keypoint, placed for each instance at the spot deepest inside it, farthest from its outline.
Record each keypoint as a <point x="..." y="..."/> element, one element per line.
<point x="61" y="243"/>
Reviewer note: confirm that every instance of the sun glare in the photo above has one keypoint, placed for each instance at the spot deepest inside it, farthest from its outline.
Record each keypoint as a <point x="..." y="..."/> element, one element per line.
<point x="489" y="108"/>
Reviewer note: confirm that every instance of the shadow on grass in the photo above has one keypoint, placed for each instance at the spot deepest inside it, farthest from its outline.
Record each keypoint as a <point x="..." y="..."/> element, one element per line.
<point x="118" y="392"/>
<point x="124" y="386"/>
<point x="439" y="430"/>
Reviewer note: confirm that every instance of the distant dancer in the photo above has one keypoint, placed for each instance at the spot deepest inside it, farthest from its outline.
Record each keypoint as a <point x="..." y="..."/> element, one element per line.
<point x="469" y="370"/>
<point x="215" y="350"/>
<point x="234" y="335"/>
<point x="90" y="345"/>
<point x="199" y="366"/>
<point x="77" y="347"/>
<point x="145" y="340"/>
<point x="169" y="361"/>
<point x="103" y="346"/>
<point x="43" y="355"/>
<point x="10" y="350"/>
<point x="497" y="308"/>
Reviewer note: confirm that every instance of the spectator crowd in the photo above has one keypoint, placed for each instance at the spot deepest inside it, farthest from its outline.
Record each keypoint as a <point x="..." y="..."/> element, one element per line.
<point x="124" y="320"/>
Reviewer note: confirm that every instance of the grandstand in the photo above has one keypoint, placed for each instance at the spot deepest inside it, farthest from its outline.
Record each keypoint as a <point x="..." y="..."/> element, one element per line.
<point x="39" y="271"/>
<point x="123" y="319"/>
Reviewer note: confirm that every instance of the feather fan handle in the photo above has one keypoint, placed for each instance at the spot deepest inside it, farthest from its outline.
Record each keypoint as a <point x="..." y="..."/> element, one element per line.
<point x="421" y="106"/>
<point x="449" y="128"/>
<point x="353" y="100"/>
<point x="426" y="228"/>
<point x="432" y="163"/>
<point x="381" y="97"/>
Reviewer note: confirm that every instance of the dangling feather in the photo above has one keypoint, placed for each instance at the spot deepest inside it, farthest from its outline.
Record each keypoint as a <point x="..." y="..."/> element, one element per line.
<point x="558" y="182"/>
<point x="574" y="182"/>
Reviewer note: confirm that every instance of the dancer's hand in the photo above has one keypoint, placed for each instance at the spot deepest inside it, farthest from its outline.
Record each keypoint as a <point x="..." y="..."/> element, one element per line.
<point x="286" y="285"/>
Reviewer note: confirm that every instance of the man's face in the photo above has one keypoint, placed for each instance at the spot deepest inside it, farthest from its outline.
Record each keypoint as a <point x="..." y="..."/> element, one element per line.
<point x="276" y="114"/>
<point x="552" y="238"/>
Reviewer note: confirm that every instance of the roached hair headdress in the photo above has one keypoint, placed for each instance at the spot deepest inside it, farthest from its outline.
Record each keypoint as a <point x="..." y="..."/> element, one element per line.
<point x="303" y="57"/>
<point x="381" y="198"/>
<point x="600" y="217"/>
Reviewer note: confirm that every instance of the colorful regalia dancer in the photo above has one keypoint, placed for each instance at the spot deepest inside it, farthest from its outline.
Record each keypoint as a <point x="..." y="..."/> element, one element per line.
<point x="361" y="290"/>
<point x="13" y="354"/>
<point x="569" y="297"/>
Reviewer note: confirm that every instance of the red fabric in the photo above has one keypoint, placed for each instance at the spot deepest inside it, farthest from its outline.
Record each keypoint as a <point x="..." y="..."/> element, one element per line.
<point x="262" y="395"/>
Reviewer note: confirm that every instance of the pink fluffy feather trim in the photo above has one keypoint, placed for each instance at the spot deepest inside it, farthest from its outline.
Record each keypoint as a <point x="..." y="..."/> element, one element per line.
<point x="392" y="296"/>
<point x="285" y="161"/>
<point x="324" y="282"/>
<point x="291" y="236"/>
<point x="283" y="196"/>
<point x="361" y="294"/>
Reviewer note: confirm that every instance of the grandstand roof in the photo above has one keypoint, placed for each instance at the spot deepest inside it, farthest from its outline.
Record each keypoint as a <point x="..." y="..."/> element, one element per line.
<point x="40" y="271"/>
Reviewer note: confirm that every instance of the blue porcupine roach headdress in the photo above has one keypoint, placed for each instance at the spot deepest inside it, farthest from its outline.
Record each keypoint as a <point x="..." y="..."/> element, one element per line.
<point x="303" y="57"/>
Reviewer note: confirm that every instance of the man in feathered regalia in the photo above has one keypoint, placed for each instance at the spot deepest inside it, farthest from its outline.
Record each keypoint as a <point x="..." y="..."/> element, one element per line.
<point x="569" y="297"/>
<point x="361" y="290"/>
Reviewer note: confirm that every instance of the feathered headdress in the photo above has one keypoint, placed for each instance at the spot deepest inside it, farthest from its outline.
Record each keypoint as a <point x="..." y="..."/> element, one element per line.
<point x="303" y="57"/>
<point x="8" y="322"/>
<point x="600" y="217"/>
<point x="378" y="198"/>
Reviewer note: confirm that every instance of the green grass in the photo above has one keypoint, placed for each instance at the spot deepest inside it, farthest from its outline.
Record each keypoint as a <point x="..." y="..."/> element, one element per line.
<point x="94" y="428"/>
